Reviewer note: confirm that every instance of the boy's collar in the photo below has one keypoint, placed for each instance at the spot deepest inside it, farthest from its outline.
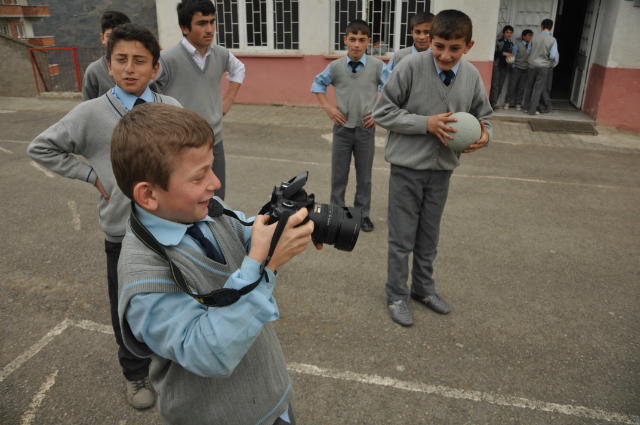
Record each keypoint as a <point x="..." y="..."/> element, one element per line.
<point x="168" y="233"/>
<point x="363" y="59"/>
<point x="192" y="50"/>
<point x="454" y="69"/>
<point x="128" y="99"/>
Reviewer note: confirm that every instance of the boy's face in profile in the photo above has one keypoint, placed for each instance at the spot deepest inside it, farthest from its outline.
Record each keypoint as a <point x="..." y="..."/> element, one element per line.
<point x="447" y="53"/>
<point x="508" y="34"/>
<point x="356" y="44"/>
<point x="527" y="38"/>
<point x="203" y="27"/>
<point x="420" y="34"/>
<point x="104" y="37"/>
<point x="131" y="65"/>
<point x="191" y="186"/>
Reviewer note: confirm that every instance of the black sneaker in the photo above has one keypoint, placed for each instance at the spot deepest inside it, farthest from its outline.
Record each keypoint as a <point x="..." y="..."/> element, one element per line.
<point x="367" y="225"/>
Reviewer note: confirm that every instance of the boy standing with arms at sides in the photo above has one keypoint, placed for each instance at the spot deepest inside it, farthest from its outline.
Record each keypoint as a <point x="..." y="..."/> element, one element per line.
<point x="504" y="45"/>
<point x="519" y="70"/>
<point x="544" y="48"/>
<point x="211" y="364"/>
<point x="415" y="105"/>
<point x="132" y="57"/>
<point x="192" y="70"/>
<point x="355" y="79"/>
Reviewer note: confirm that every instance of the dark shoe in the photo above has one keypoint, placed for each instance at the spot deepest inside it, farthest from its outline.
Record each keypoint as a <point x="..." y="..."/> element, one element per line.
<point x="367" y="225"/>
<point x="400" y="312"/>
<point x="434" y="302"/>
<point x="545" y="111"/>
<point x="139" y="393"/>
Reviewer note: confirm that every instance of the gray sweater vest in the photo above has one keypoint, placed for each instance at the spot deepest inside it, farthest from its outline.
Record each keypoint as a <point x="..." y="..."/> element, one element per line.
<point x="97" y="80"/>
<point x="258" y="389"/>
<point x="522" y="58"/>
<point x="413" y="92"/>
<point x="196" y="89"/>
<point x="355" y="92"/>
<point x="400" y="54"/>
<point x="86" y="131"/>
<point x="540" y="48"/>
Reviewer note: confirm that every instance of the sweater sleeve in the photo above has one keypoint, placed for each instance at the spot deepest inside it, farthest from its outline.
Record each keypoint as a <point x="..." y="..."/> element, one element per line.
<point x="388" y="112"/>
<point x="481" y="107"/>
<point x="53" y="149"/>
<point x="89" y="85"/>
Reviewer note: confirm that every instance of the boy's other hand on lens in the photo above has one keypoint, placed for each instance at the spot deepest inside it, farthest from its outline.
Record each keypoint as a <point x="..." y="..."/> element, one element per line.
<point x="480" y="143"/>
<point x="368" y="121"/>
<point x="336" y="116"/>
<point x="437" y="125"/>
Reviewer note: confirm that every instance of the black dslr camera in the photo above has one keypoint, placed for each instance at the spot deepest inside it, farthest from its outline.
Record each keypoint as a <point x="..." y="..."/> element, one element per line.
<point x="332" y="225"/>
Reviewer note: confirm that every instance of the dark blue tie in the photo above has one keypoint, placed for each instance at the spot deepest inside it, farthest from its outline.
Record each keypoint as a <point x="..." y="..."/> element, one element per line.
<point x="139" y="101"/>
<point x="448" y="76"/>
<point x="195" y="232"/>
<point x="354" y="65"/>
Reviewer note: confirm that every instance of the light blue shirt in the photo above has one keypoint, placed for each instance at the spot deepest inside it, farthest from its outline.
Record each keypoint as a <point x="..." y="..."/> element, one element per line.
<point x="127" y="99"/>
<point x="441" y="72"/>
<point x="516" y="49"/>
<point x="323" y="80"/>
<point x="209" y="342"/>
<point x="554" y="49"/>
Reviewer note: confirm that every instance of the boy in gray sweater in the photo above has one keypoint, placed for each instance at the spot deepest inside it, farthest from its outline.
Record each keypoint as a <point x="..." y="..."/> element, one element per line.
<point x="355" y="79"/>
<point x="214" y="362"/>
<point x="132" y="57"/>
<point x="415" y="105"/>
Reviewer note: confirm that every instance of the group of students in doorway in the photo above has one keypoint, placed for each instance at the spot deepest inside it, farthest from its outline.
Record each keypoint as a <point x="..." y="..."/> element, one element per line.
<point x="531" y="60"/>
<point x="157" y="160"/>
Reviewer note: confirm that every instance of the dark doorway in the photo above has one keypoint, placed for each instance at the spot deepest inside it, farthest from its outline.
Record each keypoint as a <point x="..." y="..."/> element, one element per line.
<point x="567" y="29"/>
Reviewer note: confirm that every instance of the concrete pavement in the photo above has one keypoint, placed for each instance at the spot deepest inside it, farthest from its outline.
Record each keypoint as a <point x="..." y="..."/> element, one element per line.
<point x="538" y="257"/>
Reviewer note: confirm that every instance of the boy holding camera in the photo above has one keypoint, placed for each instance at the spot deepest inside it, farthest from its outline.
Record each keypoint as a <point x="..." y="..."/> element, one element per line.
<point x="415" y="105"/>
<point x="210" y="364"/>
<point x="355" y="79"/>
<point x="132" y="58"/>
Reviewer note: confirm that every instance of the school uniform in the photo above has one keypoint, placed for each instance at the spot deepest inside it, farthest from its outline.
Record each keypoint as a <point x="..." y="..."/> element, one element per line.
<point x="421" y="166"/>
<point x="544" y="48"/>
<point x="518" y="81"/>
<point x="86" y="131"/>
<point x="195" y="82"/>
<point x="210" y="365"/>
<point x="355" y="84"/>
<point x="500" y="68"/>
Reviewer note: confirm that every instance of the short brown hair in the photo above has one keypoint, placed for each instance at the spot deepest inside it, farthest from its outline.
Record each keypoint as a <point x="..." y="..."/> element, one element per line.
<point x="451" y="25"/>
<point x="147" y="143"/>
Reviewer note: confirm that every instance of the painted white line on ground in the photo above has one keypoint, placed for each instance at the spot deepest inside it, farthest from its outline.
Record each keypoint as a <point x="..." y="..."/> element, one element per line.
<point x="453" y="175"/>
<point x="93" y="326"/>
<point x="74" y="214"/>
<point x="579" y="411"/>
<point x="36" y="401"/>
<point x="5" y="150"/>
<point x="44" y="170"/>
<point x="35" y="348"/>
<point x="14" y="141"/>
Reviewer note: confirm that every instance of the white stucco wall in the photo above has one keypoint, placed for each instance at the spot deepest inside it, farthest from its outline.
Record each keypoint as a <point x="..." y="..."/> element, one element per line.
<point x="605" y="28"/>
<point x="168" y="29"/>
<point x="625" y="51"/>
<point x="315" y="27"/>
<point x="484" y="15"/>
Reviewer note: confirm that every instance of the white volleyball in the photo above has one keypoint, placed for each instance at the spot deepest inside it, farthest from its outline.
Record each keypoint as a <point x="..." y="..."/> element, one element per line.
<point x="468" y="131"/>
<point x="511" y="60"/>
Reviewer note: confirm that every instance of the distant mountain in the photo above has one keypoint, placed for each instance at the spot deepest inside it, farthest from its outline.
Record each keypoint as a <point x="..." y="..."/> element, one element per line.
<point x="76" y="23"/>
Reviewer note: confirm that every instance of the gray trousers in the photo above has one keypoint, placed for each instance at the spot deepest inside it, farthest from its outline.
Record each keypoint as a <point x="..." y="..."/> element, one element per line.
<point x="360" y="142"/>
<point x="517" y="85"/>
<point x="547" y="106"/>
<point x="497" y="81"/>
<point x="536" y="92"/>
<point x="219" y="168"/>
<point x="416" y="203"/>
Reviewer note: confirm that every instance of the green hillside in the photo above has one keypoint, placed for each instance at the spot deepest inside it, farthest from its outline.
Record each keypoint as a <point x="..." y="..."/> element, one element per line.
<point x="76" y="23"/>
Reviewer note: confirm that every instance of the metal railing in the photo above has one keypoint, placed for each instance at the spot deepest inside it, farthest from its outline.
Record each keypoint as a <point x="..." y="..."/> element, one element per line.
<point x="61" y="69"/>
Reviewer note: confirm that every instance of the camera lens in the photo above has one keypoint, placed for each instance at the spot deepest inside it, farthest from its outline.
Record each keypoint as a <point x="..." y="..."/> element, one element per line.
<point x="335" y="226"/>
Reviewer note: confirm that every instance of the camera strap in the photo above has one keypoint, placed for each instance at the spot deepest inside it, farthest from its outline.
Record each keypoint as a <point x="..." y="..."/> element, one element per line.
<point x="220" y="297"/>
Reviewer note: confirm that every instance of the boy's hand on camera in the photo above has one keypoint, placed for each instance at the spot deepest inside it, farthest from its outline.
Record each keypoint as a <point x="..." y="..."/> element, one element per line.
<point x="437" y="125"/>
<point x="480" y="143"/>
<point x="368" y="121"/>
<point x="292" y="241"/>
<point x="101" y="189"/>
<point x="336" y="116"/>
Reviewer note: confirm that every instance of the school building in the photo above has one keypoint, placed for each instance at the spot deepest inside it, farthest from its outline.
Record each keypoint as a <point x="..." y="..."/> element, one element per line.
<point x="284" y="44"/>
<point x="16" y="18"/>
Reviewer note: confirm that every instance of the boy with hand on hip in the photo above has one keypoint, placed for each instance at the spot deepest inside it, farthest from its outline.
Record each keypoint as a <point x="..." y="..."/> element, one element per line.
<point x="355" y="79"/>
<point x="415" y="105"/>
<point x="520" y="67"/>
<point x="191" y="71"/>
<point x="544" y="49"/>
<point x="132" y="58"/>
<point x="212" y="364"/>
